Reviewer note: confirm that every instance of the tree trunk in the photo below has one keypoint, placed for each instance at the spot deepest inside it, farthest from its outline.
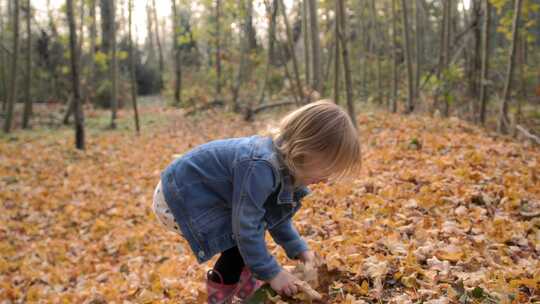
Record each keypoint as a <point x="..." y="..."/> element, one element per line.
<point x="410" y="97"/>
<point x="218" y="49"/>
<point x="271" y="10"/>
<point x="106" y="26"/>
<point x="92" y="52"/>
<point x="395" y="57"/>
<point x="3" y="67"/>
<point x="290" y="44"/>
<point x="247" y="45"/>
<point x="73" y="46"/>
<point x="150" y="35"/>
<point x="342" y="34"/>
<point x="337" y="56"/>
<point x="251" y="32"/>
<point x="315" y="46"/>
<point x="113" y="67"/>
<point x="158" y="41"/>
<point x="477" y="58"/>
<point x="376" y="41"/>
<point x="28" y="97"/>
<point x="503" y="123"/>
<point x="80" y="40"/>
<point x="13" y="73"/>
<point x="305" y="34"/>
<point x="177" y="56"/>
<point x="485" y="61"/>
<point x="132" y="67"/>
<point x="418" y="54"/>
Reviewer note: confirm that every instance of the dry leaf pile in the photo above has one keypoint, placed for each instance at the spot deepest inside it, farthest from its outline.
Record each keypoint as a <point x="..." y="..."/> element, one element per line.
<point x="440" y="213"/>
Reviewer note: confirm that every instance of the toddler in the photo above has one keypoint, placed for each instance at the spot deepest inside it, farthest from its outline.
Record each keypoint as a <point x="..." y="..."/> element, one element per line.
<point x="223" y="195"/>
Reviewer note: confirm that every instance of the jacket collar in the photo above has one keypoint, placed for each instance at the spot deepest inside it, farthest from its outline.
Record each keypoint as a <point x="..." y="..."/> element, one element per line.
<point x="286" y="192"/>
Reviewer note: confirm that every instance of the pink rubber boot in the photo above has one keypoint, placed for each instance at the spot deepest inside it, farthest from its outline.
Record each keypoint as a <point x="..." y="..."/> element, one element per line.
<point x="248" y="285"/>
<point x="219" y="293"/>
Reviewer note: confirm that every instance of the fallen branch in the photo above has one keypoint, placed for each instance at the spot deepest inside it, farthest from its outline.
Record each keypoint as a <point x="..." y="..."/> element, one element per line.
<point x="528" y="134"/>
<point x="251" y="112"/>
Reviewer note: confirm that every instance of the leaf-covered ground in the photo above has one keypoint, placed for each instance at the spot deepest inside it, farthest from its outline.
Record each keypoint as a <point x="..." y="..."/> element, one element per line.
<point x="441" y="212"/>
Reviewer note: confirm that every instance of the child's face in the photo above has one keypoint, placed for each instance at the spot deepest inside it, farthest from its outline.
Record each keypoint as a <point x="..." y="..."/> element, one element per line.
<point x="311" y="172"/>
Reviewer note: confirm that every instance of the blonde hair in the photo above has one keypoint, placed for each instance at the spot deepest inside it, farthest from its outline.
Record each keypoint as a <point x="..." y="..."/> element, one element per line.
<point x="319" y="127"/>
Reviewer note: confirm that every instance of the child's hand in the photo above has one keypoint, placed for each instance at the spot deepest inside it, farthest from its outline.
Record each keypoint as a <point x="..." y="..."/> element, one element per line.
<point x="284" y="283"/>
<point x="308" y="257"/>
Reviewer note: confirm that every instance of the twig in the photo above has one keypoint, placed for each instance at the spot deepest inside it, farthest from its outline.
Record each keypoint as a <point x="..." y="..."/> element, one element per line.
<point x="528" y="134"/>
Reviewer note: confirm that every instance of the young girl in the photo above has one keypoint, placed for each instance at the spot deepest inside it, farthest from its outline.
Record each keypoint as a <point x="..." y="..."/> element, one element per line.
<point x="223" y="195"/>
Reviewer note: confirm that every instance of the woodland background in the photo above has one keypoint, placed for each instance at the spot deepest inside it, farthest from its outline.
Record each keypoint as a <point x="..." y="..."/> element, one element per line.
<point x="445" y="94"/>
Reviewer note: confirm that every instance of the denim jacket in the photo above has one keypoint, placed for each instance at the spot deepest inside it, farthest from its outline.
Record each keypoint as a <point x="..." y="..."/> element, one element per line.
<point x="227" y="193"/>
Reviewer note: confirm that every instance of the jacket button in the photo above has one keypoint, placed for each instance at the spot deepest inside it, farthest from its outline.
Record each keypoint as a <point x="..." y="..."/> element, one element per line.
<point x="201" y="254"/>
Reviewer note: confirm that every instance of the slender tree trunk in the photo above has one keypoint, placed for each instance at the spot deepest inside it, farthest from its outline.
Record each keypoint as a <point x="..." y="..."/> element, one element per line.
<point x="337" y="56"/>
<point x="271" y="11"/>
<point x="150" y="35"/>
<point x="521" y="62"/>
<point x="13" y="73"/>
<point x="442" y="51"/>
<point x="3" y="66"/>
<point x="315" y="46"/>
<point x="305" y="34"/>
<point x="113" y="68"/>
<point x="395" y="57"/>
<point x="485" y="61"/>
<point x="158" y="41"/>
<point x="218" y="48"/>
<point x="290" y="44"/>
<point x="446" y="57"/>
<point x="343" y="36"/>
<point x="80" y="40"/>
<point x="79" y="116"/>
<point x="244" y="58"/>
<point x="418" y="42"/>
<point x="410" y="80"/>
<point x="92" y="52"/>
<point x="132" y="67"/>
<point x="376" y="42"/>
<point x="477" y="58"/>
<point x="503" y="123"/>
<point x="177" y="56"/>
<point x="28" y="98"/>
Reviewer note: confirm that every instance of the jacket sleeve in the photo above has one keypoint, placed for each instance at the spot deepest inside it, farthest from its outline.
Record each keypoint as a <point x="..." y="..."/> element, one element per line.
<point x="286" y="235"/>
<point x="253" y="182"/>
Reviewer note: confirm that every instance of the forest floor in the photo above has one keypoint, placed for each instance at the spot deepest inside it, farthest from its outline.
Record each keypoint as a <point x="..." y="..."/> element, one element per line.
<point x="441" y="212"/>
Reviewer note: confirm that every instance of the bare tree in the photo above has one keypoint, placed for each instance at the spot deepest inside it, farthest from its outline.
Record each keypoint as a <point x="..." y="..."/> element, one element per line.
<point x="410" y="97"/>
<point x="113" y="67"/>
<point x="132" y="68"/>
<point x="395" y="57"/>
<point x="315" y="46"/>
<point x="28" y="97"/>
<point x="177" y="55"/>
<point x="305" y="34"/>
<point x="93" y="39"/>
<point x="337" y="56"/>
<point x="158" y="41"/>
<point x="290" y="45"/>
<point x="79" y="116"/>
<point x="342" y="34"/>
<point x="13" y="73"/>
<point x="503" y="122"/>
<point x="485" y="60"/>
<point x="218" y="49"/>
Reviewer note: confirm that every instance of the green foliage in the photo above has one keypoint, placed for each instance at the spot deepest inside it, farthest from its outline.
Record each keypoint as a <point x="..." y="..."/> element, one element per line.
<point x="100" y="60"/>
<point x="505" y="8"/>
